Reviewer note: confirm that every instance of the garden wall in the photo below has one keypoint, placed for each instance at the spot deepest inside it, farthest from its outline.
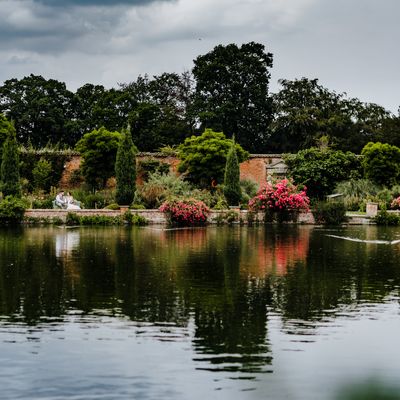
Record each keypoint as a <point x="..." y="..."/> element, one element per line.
<point x="152" y="216"/>
<point x="256" y="168"/>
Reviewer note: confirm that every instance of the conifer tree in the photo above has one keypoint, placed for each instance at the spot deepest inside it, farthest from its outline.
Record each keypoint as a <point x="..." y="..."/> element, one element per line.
<point x="10" y="184"/>
<point x="232" y="189"/>
<point x="125" y="170"/>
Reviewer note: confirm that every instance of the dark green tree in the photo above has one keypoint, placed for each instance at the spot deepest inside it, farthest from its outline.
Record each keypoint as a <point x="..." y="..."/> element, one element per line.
<point x="232" y="92"/>
<point x="125" y="170"/>
<point x="6" y="128"/>
<point x="321" y="169"/>
<point x="305" y="111"/>
<point x="232" y="190"/>
<point x="10" y="184"/>
<point x="203" y="158"/>
<point x="41" y="109"/>
<point x="381" y="162"/>
<point x="98" y="149"/>
<point x="42" y="174"/>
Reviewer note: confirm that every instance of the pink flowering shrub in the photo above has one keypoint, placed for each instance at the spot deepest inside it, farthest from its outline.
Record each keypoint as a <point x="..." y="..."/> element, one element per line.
<point x="185" y="212"/>
<point x="395" y="203"/>
<point x="281" y="199"/>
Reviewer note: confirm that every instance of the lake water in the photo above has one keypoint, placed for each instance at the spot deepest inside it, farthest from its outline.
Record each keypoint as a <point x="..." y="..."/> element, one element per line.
<point x="208" y="313"/>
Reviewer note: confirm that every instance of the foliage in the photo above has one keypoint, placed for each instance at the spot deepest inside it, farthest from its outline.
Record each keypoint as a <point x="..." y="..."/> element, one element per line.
<point x="6" y="129"/>
<point x="185" y="212"/>
<point x="321" y="169"/>
<point x="42" y="174"/>
<point x="356" y="192"/>
<point x="98" y="149"/>
<point x="329" y="212"/>
<point x="386" y="218"/>
<point x="281" y="200"/>
<point x="232" y="189"/>
<point x="125" y="170"/>
<point x="89" y="199"/>
<point x="305" y="111"/>
<point x="228" y="217"/>
<point x="10" y="178"/>
<point x="42" y="203"/>
<point x="203" y="158"/>
<point x="381" y="163"/>
<point x="232" y="92"/>
<point x="127" y="218"/>
<point x="159" y="187"/>
<point x="29" y="157"/>
<point x="41" y="109"/>
<point x="134" y="219"/>
<point x="12" y="210"/>
<point x="112" y="206"/>
<point x="249" y="189"/>
<point x="151" y="165"/>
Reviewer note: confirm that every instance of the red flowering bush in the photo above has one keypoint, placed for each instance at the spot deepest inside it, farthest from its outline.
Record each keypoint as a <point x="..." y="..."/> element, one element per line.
<point x="395" y="204"/>
<point x="185" y="212"/>
<point x="282" y="199"/>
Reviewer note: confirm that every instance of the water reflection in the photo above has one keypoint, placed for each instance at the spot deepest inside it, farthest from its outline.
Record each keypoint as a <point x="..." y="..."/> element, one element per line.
<point x="217" y="287"/>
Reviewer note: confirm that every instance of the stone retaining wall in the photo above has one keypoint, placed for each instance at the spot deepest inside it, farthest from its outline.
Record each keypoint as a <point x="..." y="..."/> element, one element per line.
<point x="153" y="216"/>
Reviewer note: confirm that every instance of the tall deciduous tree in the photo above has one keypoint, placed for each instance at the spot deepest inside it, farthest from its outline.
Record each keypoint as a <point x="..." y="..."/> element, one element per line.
<point x="10" y="184"/>
<point x="381" y="162"/>
<point x="320" y="170"/>
<point x="203" y="158"/>
<point x="232" y="189"/>
<point x="125" y="170"/>
<point x="305" y="110"/>
<point x="232" y="92"/>
<point x="98" y="149"/>
<point x="40" y="109"/>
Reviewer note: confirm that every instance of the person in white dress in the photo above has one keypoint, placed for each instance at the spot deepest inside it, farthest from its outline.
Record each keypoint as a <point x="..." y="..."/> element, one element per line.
<point x="72" y="204"/>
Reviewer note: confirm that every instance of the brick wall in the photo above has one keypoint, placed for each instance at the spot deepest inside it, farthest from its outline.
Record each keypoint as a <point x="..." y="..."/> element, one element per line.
<point x="255" y="168"/>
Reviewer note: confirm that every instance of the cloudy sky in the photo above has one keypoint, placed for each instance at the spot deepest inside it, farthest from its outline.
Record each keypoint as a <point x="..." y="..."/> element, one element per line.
<point x="350" y="45"/>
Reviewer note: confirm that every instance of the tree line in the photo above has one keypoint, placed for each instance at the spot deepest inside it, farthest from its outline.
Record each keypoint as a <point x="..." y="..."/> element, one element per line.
<point x="227" y="90"/>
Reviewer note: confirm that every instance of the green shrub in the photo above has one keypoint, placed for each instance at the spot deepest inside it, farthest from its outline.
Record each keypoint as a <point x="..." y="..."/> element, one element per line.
<point x="356" y="193"/>
<point x="386" y="218"/>
<point x="134" y="219"/>
<point x="249" y="190"/>
<point x="72" y="219"/>
<point x="232" y="189"/>
<point x="43" y="203"/>
<point x="228" y="217"/>
<point x="98" y="149"/>
<point x="329" y="212"/>
<point x="151" y="166"/>
<point x="381" y="163"/>
<point x="42" y="174"/>
<point x="125" y="170"/>
<point x="128" y="218"/>
<point x="159" y="187"/>
<point x="99" y="199"/>
<point x="9" y="177"/>
<point x="112" y="206"/>
<point x="320" y="170"/>
<point x="12" y="210"/>
<point x="135" y="206"/>
<point x="203" y="157"/>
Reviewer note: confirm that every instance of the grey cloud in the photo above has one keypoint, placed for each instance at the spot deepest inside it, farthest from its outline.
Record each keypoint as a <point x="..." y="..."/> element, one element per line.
<point x="102" y="3"/>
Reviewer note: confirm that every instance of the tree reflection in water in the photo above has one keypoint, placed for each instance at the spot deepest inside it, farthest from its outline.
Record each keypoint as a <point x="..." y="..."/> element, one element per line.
<point x="222" y="281"/>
